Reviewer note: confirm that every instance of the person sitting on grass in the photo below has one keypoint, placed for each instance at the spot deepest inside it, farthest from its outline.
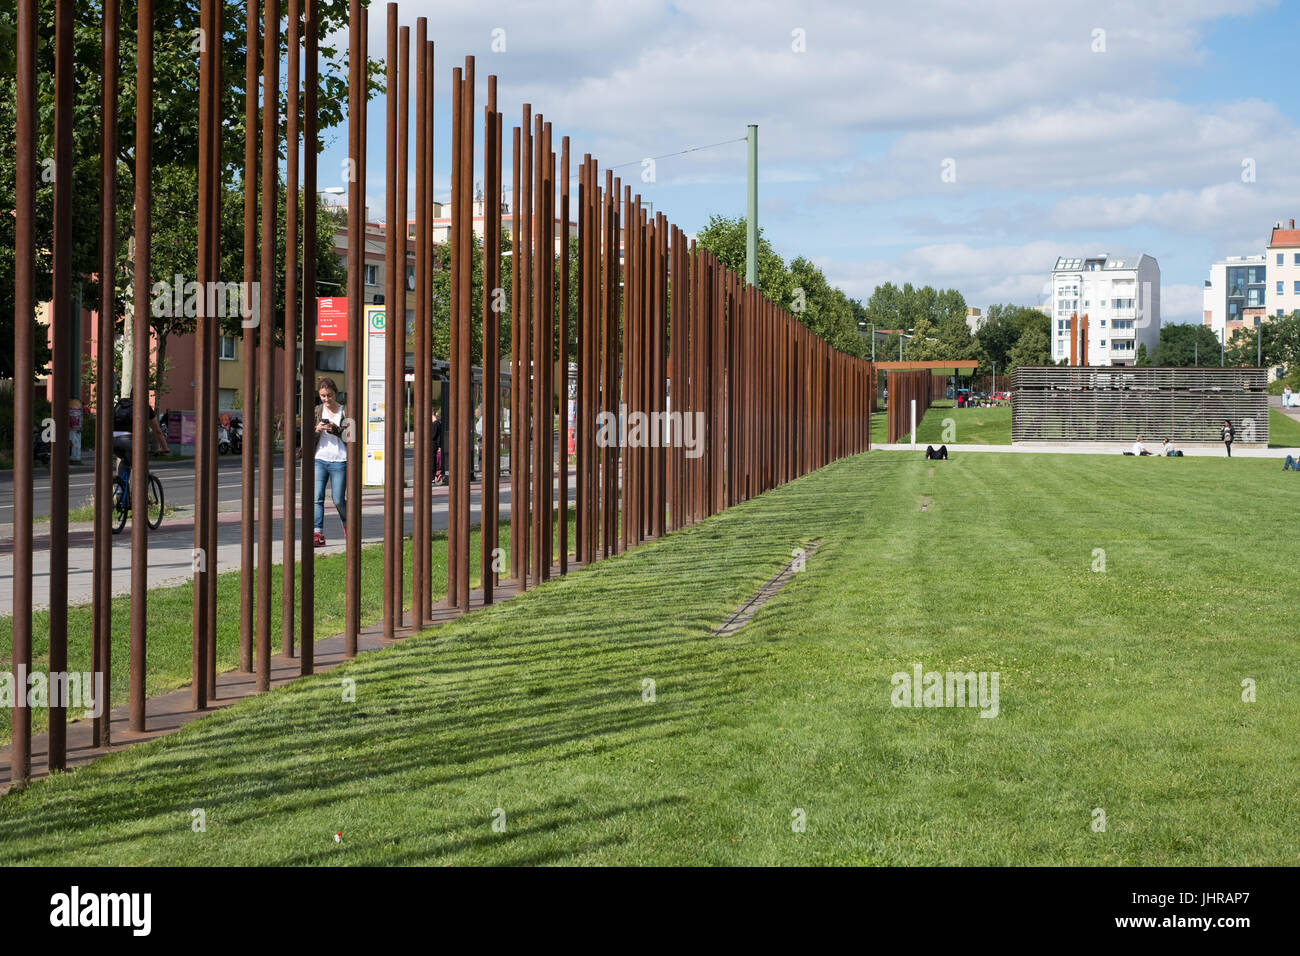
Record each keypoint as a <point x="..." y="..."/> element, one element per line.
<point x="1291" y="464"/>
<point x="1167" y="449"/>
<point x="932" y="454"/>
<point x="1139" y="448"/>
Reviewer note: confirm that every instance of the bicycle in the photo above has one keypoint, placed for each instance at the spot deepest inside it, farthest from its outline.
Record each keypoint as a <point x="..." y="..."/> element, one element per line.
<point x="153" y="514"/>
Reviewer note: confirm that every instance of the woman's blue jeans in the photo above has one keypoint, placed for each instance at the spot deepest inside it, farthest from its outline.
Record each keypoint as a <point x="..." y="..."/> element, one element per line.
<point x="336" y="473"/>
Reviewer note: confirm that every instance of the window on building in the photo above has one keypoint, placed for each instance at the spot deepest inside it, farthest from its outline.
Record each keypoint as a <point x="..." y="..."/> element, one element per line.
<point x="1103" y="343"/>
<point x="226" y="348"/>
<point x="226" y="399"/>
<point x="1232" y="308"/>
<point x="1279" y="313"/>
<point x="372" y="275"/>
<point x="1279" y="288"/>
<point x="1296" y="290"/>
<point x="1280" y="257"/>
<point x="1103" y="323"/>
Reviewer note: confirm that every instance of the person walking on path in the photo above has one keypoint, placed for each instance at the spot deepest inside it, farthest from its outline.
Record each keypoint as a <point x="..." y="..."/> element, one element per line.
<point x="1228" y="433"/>
<point x="435" y="447"/>
<point x="1286" y="396"/>
<point x="331" y="457"/>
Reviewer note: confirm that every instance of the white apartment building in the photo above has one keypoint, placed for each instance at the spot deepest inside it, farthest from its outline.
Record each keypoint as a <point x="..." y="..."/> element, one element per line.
<point x="1283" y="256"/>
<point x="1235" y="294"/>
<point x="1120" y="295"/>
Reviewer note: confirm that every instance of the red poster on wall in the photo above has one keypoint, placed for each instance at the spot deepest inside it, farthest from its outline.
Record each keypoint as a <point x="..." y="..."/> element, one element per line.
<point x="332" y="319"/>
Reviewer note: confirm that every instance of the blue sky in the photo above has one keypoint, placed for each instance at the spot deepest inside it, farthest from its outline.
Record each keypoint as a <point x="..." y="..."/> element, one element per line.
<point x="1062" y="139"/>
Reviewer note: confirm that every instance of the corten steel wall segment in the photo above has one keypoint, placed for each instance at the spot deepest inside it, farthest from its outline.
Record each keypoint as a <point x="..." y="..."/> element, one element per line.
<point x="489" y="488"/>
<point x="393" y="285"/>
<point x="24" y="375"/>
<point x="397" y="344"/>
<point x="421" y="499"/>
<point x="311" y="27"/>
<point x="140" y="357"/>
<point x="548" y="364"/>
<point x="60" y="370"/>
<point x="102" y="648"/>
<point x="248" y="390"/>
<point x="289" y="373"/>
<point x="356" y="327"/>
<point x="266" y="336"/>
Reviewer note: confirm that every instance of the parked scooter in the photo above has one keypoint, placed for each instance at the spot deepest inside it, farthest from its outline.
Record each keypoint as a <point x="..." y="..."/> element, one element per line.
<point x="235" y="434"/>
<point x="223" y="439"/>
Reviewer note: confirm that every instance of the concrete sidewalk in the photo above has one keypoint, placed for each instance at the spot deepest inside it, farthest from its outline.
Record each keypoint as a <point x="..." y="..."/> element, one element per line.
<point x="1102" y="448"/>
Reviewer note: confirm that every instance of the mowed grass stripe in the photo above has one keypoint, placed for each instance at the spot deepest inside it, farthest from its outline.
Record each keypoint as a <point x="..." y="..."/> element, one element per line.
<point x="1119" y="690"/>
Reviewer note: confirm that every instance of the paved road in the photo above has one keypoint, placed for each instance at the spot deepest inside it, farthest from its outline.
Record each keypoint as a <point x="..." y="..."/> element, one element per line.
<point x="177" y="478"/>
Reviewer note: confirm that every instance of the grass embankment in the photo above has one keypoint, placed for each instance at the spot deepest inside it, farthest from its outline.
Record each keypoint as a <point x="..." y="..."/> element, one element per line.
<point x="1120" y="690"/>
<point x="1283" y="430"/>
<point x="969" y="426"/>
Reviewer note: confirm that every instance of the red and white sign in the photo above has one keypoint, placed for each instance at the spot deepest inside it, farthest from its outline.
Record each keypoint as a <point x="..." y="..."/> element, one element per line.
<point x="332" y="319"/>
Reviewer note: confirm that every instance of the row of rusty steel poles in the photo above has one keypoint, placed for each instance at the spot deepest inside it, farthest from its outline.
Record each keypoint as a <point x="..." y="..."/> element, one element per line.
<point x="660" y="326"/>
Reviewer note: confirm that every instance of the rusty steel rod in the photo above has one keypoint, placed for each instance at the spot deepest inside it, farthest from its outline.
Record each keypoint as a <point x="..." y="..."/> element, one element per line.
<point x="421" y="495"/>
<point x="393" y="286"/>
<point x="464" y="208"/>
<point x="562" y="455"/>
<point x="199" y="616"/>
<point x="358" y="73"/>
<point x="140" y="359"/>
<point x="291" y="313"/>
<point x="307" y="560"/>
<point x="25" y="166"/>
<point x="248" y="391"/>
<point x="102" y="653"/>
<point x="516" y="357"/>
<point x="454" y="305"/>
<point x="489" y="487"/>
<point x="61" y="364"/>
<point x="266" y="336"/>
<point x="519" y="503"/>
<point x="399" y="327"/>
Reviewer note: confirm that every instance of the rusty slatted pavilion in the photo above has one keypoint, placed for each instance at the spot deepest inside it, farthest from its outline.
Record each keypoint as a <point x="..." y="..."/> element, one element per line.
<point x="693" y="392"/>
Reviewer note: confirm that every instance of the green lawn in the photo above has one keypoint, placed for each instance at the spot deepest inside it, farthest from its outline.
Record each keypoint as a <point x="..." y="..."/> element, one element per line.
<point x="1119" y="690"/>
<point x="954" y="426"/>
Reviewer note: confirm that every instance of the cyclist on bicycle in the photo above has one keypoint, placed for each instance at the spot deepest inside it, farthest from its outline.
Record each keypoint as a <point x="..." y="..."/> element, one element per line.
<point x="123" y="422"/>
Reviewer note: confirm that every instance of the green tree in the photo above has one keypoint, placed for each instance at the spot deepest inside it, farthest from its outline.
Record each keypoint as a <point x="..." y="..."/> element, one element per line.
<point x="1184" y="345"/>
<point x="1032" y="348"/>
<point x="175" y="137"/>
<point x="1142" y="358"/>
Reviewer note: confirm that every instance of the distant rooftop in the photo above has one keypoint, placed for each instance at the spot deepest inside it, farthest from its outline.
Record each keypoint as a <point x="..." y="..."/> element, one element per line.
<point x="1105" y="260"/>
